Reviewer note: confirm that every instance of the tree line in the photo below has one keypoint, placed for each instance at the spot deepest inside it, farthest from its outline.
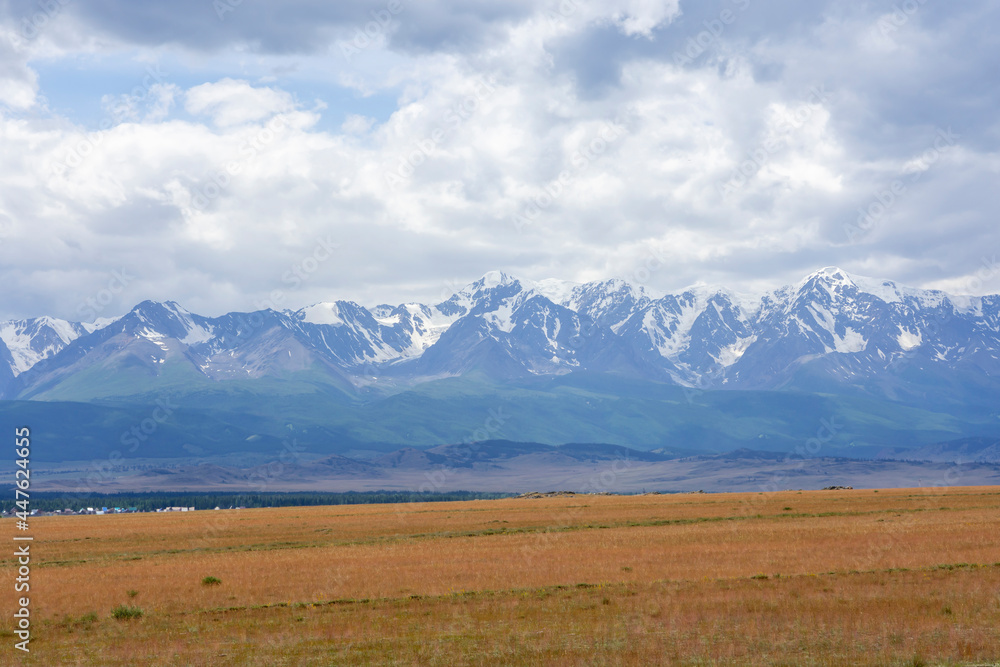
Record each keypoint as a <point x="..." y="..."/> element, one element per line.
<point x="152" y="501"/>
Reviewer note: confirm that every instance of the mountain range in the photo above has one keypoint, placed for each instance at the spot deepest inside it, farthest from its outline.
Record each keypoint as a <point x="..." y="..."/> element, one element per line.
<point x="704" y="369"/>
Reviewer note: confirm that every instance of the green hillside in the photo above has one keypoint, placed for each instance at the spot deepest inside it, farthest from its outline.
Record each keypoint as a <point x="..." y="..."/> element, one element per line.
<point x="259" y="415"/>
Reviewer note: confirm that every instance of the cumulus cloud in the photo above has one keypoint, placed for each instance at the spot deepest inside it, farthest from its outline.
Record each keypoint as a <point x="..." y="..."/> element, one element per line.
<point x="229" y="102"/>
<point x="356" y="124"/>
<point x="18" y="82"/>
<point x="640" y="17"/>
<point x="726" y="142"/>
<point x="153" y="104"/>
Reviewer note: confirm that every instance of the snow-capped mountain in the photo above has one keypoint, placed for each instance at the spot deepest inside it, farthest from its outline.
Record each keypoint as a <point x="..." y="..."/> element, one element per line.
<point x="25" y="343"/>
<point x="837" y="327"/>
<point x="831" y="329"/>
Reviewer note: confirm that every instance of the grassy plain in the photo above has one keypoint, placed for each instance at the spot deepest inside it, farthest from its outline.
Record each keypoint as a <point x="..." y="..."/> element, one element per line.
<point x="889" y="577"/>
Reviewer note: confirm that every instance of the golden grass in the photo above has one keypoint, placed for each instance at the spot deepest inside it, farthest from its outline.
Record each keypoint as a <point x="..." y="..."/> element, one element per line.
<point x="852" y="577"/>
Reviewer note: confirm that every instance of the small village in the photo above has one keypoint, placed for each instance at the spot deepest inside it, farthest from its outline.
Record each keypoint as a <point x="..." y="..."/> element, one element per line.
<point x="4" y="513"/>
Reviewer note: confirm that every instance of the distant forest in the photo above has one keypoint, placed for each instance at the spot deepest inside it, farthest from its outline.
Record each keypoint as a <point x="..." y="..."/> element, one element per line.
<point x="148" y="502"/>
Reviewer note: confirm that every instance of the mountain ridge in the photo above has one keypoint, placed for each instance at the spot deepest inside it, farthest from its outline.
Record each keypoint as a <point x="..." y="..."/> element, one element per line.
<point x="830" y="329"/>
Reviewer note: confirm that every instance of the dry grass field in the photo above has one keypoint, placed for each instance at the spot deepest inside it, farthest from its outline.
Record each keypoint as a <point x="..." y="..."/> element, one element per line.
<point x="890" y="577"/>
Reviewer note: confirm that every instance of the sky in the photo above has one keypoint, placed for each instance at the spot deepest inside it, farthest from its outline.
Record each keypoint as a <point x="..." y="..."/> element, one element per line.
<point x="233" y="155"/>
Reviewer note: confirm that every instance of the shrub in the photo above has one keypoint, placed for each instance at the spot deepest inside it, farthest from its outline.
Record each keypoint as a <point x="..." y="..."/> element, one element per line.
<point x="211" y="581"/>
<point x="84" y="621"/>
<point x="124" y="612"/>
<point x="132" y="594"/>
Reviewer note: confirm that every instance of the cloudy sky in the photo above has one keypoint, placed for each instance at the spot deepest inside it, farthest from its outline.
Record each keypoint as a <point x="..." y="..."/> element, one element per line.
<point x="238" y="154"/>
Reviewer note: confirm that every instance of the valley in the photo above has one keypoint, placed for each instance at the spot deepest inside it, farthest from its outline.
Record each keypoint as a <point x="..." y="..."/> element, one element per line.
<point x="849" y="577"/>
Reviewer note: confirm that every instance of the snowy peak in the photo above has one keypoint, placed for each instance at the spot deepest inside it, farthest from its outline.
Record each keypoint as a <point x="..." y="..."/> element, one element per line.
<point x="700" y="331"/>
<point x="495" y="279"/>
<point x="30" y="341"/>
<point x="831" y="281"/>
<point x="322" y="313"/>
<point x="832" y="274"/>
<point x="155" y="320"/>
<point x="838" y="282"/>
<point x="839" y="326"/>
<point x="561" y="292"/>
<point x="609" y="303"/>
<point x="891" y="292"/>
<point x="493" y="285"/>
<point x="486" y="295"/>
<point x="155" y="312"/>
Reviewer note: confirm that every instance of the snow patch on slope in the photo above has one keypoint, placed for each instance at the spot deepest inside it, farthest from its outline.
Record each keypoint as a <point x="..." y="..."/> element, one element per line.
<point x="851" y="342"/>
<point x="730" y="354"/>
<point x="890" y="292"/>
<point x="428" y="325"/>
<point x="968" y="305"/>
<point x="194" y="332"/>
<point x="322" y="313"/>
<point x="390" y="321"/>
<point x="99" y="323"/>
<point x="503" y="317"/>
<point x="20" y="348"/>
<point x="671" y="343"/>
<point x="67" y="334"/>
<point x="908" y="340"/>
<point x="747" y="303"/>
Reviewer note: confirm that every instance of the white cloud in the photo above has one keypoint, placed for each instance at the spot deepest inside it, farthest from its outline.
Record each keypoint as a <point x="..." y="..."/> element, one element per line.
<point x="149" y="105"/>
<point x="220" y="209"/>
<point x="357" y="124"/>
<point x="640" y="17"/>
<point x="18" y="82"/>
<point x="230" y="102"/>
